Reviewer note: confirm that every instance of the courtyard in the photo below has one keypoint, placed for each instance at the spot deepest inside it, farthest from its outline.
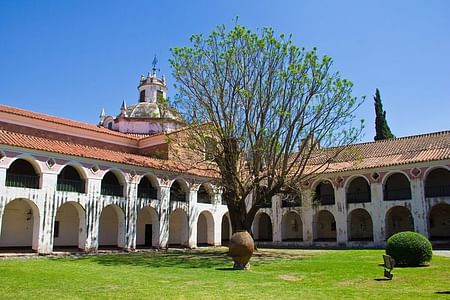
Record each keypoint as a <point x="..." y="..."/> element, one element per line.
<point x="206" y="274"/>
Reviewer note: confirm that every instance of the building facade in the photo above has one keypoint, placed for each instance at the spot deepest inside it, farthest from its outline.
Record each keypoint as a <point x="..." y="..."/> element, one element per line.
<point x="66" y="184"/>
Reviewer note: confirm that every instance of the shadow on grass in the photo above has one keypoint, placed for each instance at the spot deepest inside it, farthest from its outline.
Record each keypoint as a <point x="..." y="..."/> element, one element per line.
<point x="406" y="267"/>
<point x="217" y="259"/>
<point x="443" y="292"/>
<point x="382" y="279"/>
<point x="164" y="259"/>
<point x="227" y="269"/>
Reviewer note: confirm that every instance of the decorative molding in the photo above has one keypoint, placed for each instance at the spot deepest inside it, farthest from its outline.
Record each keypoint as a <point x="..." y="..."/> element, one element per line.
<point x="339" y="180"/>
<point x="50" y="163"/>
<point x="94" y="169"/>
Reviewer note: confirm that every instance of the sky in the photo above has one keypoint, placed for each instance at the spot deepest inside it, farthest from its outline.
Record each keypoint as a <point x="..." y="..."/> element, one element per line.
<point x="72" y="58"/>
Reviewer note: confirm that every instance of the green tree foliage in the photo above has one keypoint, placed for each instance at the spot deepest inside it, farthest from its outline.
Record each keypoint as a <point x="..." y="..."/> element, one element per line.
<point x="382" y="129"/>
<point x="269" y="106"/>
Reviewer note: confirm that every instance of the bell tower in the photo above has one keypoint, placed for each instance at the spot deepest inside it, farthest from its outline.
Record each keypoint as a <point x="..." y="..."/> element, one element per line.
<point x="152" y="88"/>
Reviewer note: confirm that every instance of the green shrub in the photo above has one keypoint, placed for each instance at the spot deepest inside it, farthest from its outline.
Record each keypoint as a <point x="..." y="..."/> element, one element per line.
<point x="409" y="249"/>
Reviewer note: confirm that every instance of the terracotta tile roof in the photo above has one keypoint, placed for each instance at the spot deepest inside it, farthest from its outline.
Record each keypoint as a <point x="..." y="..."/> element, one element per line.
<point x="399" y="151"/>
<point x="62" y="121"/>
<point x="80" y="150"/>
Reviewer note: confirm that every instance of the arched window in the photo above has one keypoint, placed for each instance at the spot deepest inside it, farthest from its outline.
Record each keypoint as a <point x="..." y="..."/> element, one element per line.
<point x="397" y="187"/>
<point x="360" y="226"/>
<point x="177" y="192"/>
<point x="22" y="174"/>
<point x="111" y="185"/>
<point x="146" y="189"/>
<point x="438" y="183"/>
<point x="358" y="191"/>
<point x="69" y="180"/>
<point x="324" y="193"/>
<point x="325" y="226"/>
<point x="203" y="196"/>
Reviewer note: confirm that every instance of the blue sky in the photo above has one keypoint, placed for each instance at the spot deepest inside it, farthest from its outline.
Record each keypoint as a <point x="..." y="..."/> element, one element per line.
<point x="72" y="58"/>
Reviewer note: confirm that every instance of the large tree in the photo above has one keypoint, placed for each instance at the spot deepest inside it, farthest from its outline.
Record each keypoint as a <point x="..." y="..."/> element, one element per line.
<point x="266" y="107"/>
<point x="382" y="129"/>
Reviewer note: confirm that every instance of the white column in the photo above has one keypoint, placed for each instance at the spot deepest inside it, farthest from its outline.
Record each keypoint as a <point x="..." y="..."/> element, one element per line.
<point x="131" y="215"/>
<point x="276" y="218"/>
<point x="217" y="220"/>
<point x="48" y="212"/>
<point x="93" y="210"/>
<point x="341" y="217"/>
<point x="307" y="214"/>
<point x="2" y="176"/>
<point x="2" y="200"/>
<point x="192" y="219"/>
<point x="164" y="216"/>
<point x="377" y="213"/>
<point x="419" y="209"/>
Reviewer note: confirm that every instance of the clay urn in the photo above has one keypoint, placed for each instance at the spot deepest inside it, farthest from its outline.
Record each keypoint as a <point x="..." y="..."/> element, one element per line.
<point x="241" y="249"/>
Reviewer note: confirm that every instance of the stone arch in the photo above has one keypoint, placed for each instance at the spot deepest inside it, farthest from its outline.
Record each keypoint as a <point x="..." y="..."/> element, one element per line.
<point x="360" y="225"/>
<point x="23" y="172"/>
<point x="324" y="193"/>
<point x="291" y="227"/>
<point x="439" y="222"/>
<point x="148" y="187"/>
<point x="325" y="226"/>
<point x="262" y="227"/>
<point x="396" y="187"/>
<point x="398" y="218"/>
<point x="147" y="228"/>
<point x="70" y="226"/>
<point x="113" y="183"/>
<point x="226" y="229"/>
<point x="358" y="190"/>
<point x="70" y="179"/>
<point x="178" y="228"/>
<point x="30" y="159"/>
<point x="179" y="190"/>
<point x="205" y="228"/>
<point x="20" y="224"/>
<point x="437" y="183"/>
<point x="205" y="194"/>
<point x="111" y="232"/>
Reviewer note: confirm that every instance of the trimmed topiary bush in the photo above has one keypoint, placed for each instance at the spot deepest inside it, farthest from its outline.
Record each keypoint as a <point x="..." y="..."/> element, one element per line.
<point x="409" y="249"/>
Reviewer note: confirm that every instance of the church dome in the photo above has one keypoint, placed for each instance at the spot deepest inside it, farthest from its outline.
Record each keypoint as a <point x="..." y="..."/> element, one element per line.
<point x="149" y="110"/>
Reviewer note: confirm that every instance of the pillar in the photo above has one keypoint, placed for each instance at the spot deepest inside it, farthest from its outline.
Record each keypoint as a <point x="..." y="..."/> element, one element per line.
<point x="48" y="213"/>
<point x="164" y="215"/>
<point x="131" y="213"/>
<point x="419" y="209"/>
<point x="192" y="218"/>
<point x="277" y="215"/>
<point x="378" y="214"/>
<point x="340" y="217"/>
<point x="92" y="211"/>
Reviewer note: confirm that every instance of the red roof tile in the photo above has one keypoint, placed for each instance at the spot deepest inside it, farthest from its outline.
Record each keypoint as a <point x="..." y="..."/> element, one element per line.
<point x="399" y="151"/>
<point x="80" y="150"/>
<point x="62" y="121"/>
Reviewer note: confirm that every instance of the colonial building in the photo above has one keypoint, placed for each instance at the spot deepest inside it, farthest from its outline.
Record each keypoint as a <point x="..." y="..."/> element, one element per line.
<point x="114" y="185"/>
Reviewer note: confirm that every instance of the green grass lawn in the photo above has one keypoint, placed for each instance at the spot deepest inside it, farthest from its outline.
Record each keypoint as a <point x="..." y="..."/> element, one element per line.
<point x="206" y="274"/>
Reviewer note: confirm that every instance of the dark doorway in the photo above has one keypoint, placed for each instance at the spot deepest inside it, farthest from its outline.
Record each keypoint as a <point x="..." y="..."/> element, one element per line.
<point x="148" y="235"/>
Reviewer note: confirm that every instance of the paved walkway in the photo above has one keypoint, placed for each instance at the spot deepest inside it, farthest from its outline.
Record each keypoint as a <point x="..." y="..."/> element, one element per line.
<point x="29" y="254"/>
<point x="445" y="253"/>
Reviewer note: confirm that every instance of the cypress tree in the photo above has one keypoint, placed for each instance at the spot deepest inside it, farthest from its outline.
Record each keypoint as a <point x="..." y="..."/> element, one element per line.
<point x="382" y="129"/>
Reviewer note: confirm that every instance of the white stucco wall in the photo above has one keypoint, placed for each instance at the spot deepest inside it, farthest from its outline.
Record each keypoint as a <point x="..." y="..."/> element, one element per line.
<point x="84" y="227"/>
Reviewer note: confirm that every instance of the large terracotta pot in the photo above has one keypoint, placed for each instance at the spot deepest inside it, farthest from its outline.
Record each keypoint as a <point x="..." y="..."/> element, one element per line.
<point x="241" y="249"/>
